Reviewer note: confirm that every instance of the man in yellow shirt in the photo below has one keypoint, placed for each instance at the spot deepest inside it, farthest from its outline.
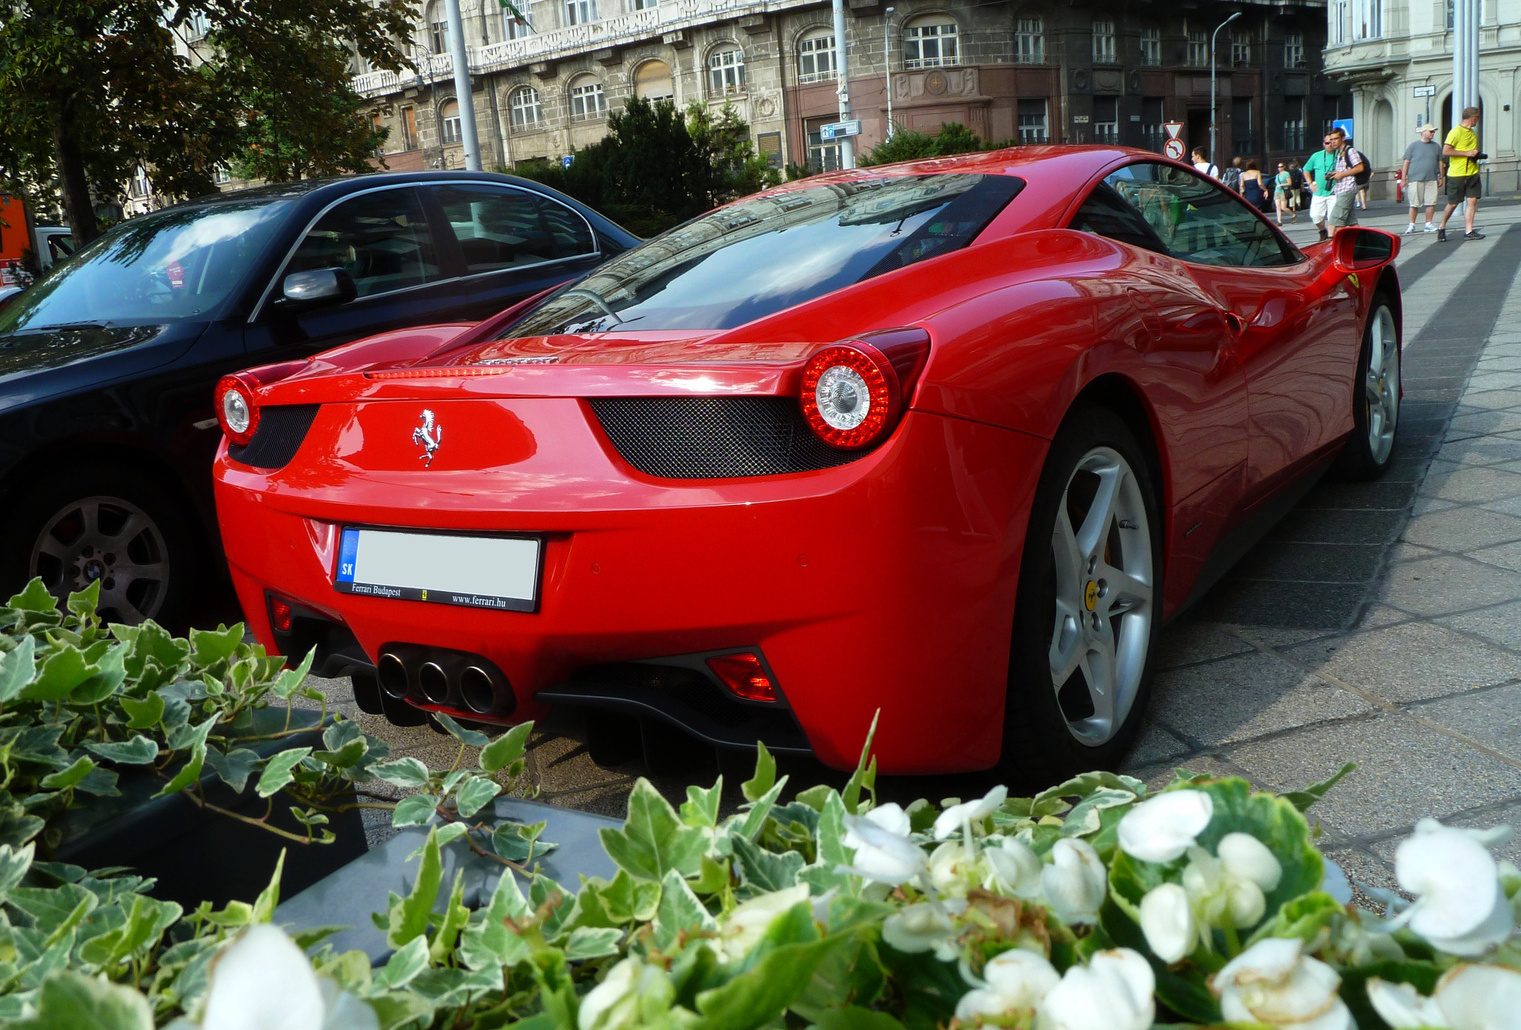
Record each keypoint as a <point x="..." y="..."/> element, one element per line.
<point x="1462" y="150"/>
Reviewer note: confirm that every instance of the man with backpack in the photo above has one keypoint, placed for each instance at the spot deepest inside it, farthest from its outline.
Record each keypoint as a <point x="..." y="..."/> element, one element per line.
<point x="1349" y="170"/>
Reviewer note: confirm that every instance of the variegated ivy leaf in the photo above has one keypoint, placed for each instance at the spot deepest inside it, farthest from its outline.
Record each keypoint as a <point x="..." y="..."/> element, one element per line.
<point x="234" y="767"/>
<point x="588" y="942"/>
<point x="280" y="770"/>
<point x="506" y="749"/>
<point x="140" y="750"/>
<point x="653" y="840"/>
<point x="473" y="794"/>
<point x="765" y="774"/>
<point x="415" y="810"/>
<point x="765" y="871"/>
<point x="403" y="966"/>
<point x="17" y="667"/>
<point x="679" y="910"/>
<point x="403" y="772"/>
<point x="701" y="806"/>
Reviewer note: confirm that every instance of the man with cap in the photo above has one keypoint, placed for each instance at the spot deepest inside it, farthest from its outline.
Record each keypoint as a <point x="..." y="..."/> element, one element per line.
<point x="1422" y="174"/>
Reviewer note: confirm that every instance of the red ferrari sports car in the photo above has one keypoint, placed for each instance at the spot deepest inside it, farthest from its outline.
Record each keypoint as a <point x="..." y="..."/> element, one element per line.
<point x="949" y="440"/>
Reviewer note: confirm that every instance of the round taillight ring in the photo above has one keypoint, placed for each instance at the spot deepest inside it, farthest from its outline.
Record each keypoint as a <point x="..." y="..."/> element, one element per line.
<point x="850" y="395"/>
<point x="237" y="408"/>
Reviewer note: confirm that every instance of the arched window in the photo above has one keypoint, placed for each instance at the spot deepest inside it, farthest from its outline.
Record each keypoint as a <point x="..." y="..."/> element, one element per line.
<point x="815" y="56"/>
<point x="726" y="70"/>
<point x="514" y="27"/>
<point x="1030" y="40"/>
<point x="587" y="101"/>
<point x="438" y="29"/>
<point x="930" y="42"/>
<point x="527" y="112"/>
<point x="448" y="122"/>
<point x="652" y="81"/>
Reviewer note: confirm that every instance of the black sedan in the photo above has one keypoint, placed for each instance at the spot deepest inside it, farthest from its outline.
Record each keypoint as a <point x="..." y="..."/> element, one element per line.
<point x="107" y="367"/>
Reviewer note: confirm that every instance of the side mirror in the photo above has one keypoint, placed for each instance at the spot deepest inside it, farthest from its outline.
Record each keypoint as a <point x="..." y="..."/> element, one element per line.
<point x="319" y="286"/>
<point x="1356" y="248"/>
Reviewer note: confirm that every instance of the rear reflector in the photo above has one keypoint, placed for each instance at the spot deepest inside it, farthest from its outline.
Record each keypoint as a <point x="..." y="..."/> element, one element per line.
<point x="744" y="675"/>
<point x="279" y="614"/>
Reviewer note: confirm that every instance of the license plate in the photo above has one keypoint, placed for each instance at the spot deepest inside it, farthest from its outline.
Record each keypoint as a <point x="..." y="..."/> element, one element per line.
<point x="500" y="572"/>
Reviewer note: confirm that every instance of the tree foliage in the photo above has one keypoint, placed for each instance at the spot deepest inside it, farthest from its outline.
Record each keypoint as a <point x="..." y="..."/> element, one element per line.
<point x="94" y="89"/>
<point x="908" y="145"/>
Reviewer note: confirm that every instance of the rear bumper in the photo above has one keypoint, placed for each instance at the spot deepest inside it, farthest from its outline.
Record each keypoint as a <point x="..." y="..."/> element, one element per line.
<point x="887" y="583"/>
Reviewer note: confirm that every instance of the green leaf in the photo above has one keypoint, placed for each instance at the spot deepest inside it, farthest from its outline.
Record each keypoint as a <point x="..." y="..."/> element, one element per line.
<point x="142" y="712"/>
<point x="17" y="667"/>
<point x="66" y="778"/>
<point x="589" y="942"/>
<point x="73" y="1001"/>
<point x="679" y="911"/>
<point x="627" y="900"/>
<point x="100" y="782"/>
<point x="765" y="774"/>
<point x="14" y="863"/>
<point x="506" y="749"/>
<point x="489" y="941"/>
<point x="701" y="806"/>
<point x="82" y="603"/>
<point x="189" y="773"/>
<point x="766" y="871"/>
<point x="853" y="1017"/>
<point x="289" y="680"/>
<point x="145" y="926"/>
<point x="233" y="767"/>
<point x="184" y="737"/>
<point x="403" y="772"/>
<point x="519" y="843"/>
<point x="403" y="966"/>
<point x="1303" y="799"/>
<point x="34" y="598"/>
<point x="280" y="770"/>
<point x="754" y="820"/>
<point x="761" y="995"/>
<point x="472" y="737"/>
<point x="415" y="810"/>
<point x="448" y="833"/>
<point x="456" y="916"/>
<point x="209" y="646"/>
<point x="1303" y="917"/>
<point x="140" y="750"/>
<point x="653" y="841"/>
<point x="64" y="670"/>
<point x="409" y="918"/>
<point x="103" y="684"/>
<point x="865" y="775"/>
<point x="473" y="794"/>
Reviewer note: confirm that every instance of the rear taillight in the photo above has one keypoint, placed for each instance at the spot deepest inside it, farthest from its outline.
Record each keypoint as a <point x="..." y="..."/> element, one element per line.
<point x="237" y="408"/>
<point x="853" y="392"/>
<point x="744" y="675"/>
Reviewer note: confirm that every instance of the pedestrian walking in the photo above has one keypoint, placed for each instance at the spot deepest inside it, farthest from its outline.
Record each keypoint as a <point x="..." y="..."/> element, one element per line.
<point x="1203" y="166"/>
<point x="1299" y="191"/>
<point x="1422" y="173"/>
<point x="1231" y="176"/>
<point x="1462" y="152"/>
<point x="1283" y="191"/>
<point x="1253" y="190"/>
<point x="1333" y="173"/>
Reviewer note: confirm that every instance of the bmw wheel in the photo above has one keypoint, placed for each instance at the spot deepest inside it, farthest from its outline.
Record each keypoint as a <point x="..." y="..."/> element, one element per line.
<point x="1089" y="607"/>
<point x="1375" y="397"/>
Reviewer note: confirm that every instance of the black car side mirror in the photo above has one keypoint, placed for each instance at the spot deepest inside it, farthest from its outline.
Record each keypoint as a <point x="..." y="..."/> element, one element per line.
<point x="318" y="286"/>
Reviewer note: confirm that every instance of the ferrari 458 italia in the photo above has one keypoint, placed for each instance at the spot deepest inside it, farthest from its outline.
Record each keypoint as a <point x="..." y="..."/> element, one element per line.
<point x="947" y="441"/>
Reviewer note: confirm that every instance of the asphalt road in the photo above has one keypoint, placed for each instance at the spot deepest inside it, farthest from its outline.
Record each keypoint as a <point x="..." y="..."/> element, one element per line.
<point x="1379" y="623"/>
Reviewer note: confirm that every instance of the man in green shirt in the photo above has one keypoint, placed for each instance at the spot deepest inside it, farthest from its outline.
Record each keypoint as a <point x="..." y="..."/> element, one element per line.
<point x="1318" y="170"/>
<point x="1462" y="151"/>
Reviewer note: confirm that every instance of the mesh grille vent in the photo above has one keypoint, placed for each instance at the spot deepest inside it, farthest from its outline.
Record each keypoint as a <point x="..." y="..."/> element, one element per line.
<point x="275" y="442"/>
<point x="714" y="437"/>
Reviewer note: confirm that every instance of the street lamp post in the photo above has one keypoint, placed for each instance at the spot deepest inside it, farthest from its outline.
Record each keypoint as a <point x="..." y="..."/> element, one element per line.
<point x="887" y="62"/>
<point x="842" y="77"/>
<point x="462" y="93"/>
<point x="1212" y="40"/>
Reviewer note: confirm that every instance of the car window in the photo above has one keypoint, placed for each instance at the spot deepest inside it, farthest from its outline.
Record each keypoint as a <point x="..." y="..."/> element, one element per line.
<point x="572" y="236"/>
<point x="60" y="247"/>
<point x="1199" y="220"/>
<point x="496" y="227"/>
<point x="381" y="239"/>
<point x="1105" y="213"/>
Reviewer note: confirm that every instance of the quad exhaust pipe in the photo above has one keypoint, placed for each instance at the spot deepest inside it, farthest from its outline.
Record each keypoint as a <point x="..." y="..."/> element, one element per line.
<point x="449" y="679"/>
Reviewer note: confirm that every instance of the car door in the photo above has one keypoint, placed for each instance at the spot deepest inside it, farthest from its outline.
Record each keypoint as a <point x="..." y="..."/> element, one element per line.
<point x="1290" y="323"/>
<point x="513" y="242"/>
<point x="385" y="242"/>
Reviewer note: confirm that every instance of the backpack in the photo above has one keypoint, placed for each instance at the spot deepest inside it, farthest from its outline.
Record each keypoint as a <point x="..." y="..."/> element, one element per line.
<point x="1362" y="178"/>
<point x="1232" y="178"/>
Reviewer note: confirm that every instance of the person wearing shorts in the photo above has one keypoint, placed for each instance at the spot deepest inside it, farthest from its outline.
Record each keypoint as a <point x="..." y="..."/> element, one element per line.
<point x="1462" y="152"/>
<point x="1346" y="166"/>
<point x="1318" y="169"/>
<point x="1422" y="174"/>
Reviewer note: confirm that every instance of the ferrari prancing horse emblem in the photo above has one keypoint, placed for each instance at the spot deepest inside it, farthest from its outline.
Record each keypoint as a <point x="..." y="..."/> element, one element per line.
<point x="429" y="436"/>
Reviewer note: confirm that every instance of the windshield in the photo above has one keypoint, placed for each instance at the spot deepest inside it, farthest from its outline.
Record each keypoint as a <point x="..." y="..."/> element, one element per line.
<point x="163" y="267"/>
<point x="772" y="252"/>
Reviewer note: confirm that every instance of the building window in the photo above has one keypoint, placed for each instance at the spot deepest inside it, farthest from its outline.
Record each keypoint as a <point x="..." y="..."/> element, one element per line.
<point x="1106" y="120"/>
<point x="1153" y="127"/>
<point x="1293" y="123"/>
<point x="438" y="31"/>
<point x="1033" y="125"/>
<point x="408" y="128"/>
<point x="448" y="122"/>
<point x="1367" y="19"/>
<point x="652" y="81"/>
<point x="1241" y="48"/>
<point x="645" y="5"/>
<point x="220" y="175"/>
<point x="822" y="156"/>
<point x="1451" y="15"/>
<point x="587" y="100"/>
<point x="579" y="12"/>
<point x="726" y="71"/>
<point x="815" y="57"/>
<point x="1030" y="41"/>
<point x="1151" y="47"/>
<point x="514" y="27"/>
<point x="1293" y="50"/>
<point x="1103" y="41"/>
<point x="1243" y="130"/>
<point x="1198" y="49"/>
<point x="527" y="111"/>
<point x="1337" y="12"/>
<point x="930" y="42"/>
<point x="197" y="24"/>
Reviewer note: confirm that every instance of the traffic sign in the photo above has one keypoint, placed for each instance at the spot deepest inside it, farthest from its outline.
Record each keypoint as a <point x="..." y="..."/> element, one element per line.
<point x="1174" y="129"/>
<point x="839" y="130"/>
<point x="1173" y="148"/>
<point x="1425" y="91"/>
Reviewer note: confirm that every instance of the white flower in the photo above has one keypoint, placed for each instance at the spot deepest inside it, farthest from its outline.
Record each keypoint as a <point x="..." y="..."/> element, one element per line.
<point x="1218" y="895"/>
<point x="747" y="924"/>
<point x="952" y="818"/>
<point x="1247" y="858"/>
<point x="1460" y="906"/>
<point x="1403" y="1008"/>
<point x="1113" y="992"/>
<point x="1162" y="828"/>
<point x="1076" y="882"/>
<point x="1272" y="983"/>
<point x="1467" y="997"/>
<point x="884" y="853"/>
<point x="1167" y="920"/>
<point x="264" y="982"/>
<point x="632" y="994"/>
<point x="1016" y="979"/>
<point x="1014" y="868"/>
<point x="925" y="927"/>
<point x="952" y="871"/>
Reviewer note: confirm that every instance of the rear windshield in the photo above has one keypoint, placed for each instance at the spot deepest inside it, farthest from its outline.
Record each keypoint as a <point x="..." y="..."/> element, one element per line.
<point x="772" y="252"/>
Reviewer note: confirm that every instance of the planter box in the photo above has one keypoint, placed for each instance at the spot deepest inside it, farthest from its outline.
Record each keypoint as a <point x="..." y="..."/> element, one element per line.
<point x="198" y="855"/>
<point x="349" y="896"/>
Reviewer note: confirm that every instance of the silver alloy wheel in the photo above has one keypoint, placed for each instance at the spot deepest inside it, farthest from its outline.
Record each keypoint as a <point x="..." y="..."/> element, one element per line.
<point x="1101" y="554"/>
<point x="1382" y="387"/>
<point x="107" y="540"/>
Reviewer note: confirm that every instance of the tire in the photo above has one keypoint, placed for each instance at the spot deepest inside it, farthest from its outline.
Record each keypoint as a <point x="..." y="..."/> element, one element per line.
<point x="110" y="524"/>
<point x="1089" y="605"/>
<point x="1375" y="397"/>
<point x="367" y="693"/>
